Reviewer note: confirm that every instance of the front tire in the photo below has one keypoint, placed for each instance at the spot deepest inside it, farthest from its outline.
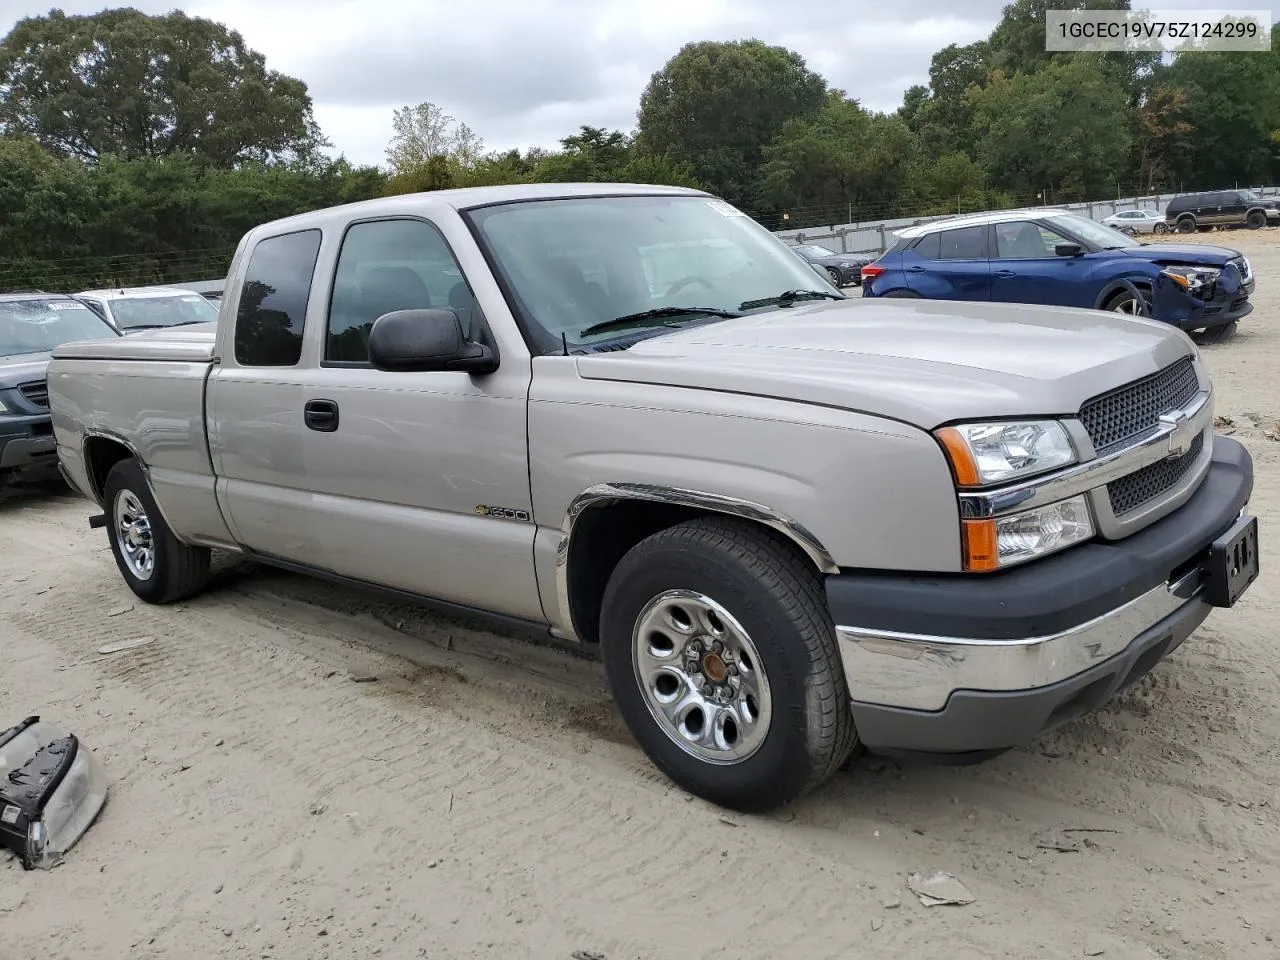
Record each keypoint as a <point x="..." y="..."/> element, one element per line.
<point x="157" y="566"/>
<point x="1124" y="302"/>
<point x="1256" y="220"/>
<point x="1187" y="225"/>
<point x="1218" y="334"/>
<point x="721" y="655"/>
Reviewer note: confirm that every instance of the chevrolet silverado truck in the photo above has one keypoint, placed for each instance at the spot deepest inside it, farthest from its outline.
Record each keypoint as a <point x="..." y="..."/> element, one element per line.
<point x="794" y="523"/>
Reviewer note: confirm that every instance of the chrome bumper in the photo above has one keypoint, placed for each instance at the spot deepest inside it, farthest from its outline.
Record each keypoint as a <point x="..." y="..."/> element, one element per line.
<point x="918" y="672"/>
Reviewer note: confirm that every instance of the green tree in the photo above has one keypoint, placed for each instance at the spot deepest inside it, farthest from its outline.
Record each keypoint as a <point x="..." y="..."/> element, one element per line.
<point x="425" y="134"/>
<point x="843" y="158"/>
<point x="121" y="82"/>
<point x="943" y="120"/>
<point x="715" y="106"/>
<point x="1066" y="128"/>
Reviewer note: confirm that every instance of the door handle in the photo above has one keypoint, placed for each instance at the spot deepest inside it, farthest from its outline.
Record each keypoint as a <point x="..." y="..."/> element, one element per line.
<point x="916" y="269"/>
<point x="1004" y="273"/>
<point x="321" y="415"/>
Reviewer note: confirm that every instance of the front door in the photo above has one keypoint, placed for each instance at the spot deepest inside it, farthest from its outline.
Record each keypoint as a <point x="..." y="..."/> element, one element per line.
<point x="1025" y="268"/>
<point x="418" y="481"/>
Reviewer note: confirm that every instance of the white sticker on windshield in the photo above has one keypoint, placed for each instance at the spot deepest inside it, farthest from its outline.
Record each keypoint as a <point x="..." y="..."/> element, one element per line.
<point x="65" y="305"/>
<point x="192" y="299"/>
<point x="724" y="209"/>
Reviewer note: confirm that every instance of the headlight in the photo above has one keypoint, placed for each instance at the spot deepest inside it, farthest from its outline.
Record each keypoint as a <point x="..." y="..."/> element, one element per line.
<point x="1005" y="541"/>
<point x="1191" y="279"/>
<point x="983" y="453"/>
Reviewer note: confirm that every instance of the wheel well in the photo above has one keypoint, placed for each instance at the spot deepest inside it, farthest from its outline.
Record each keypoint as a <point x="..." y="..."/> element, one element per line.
<point x="1144" y="286"/>
<point x="602" y="535"/>
<point x="100" y="455"/>
<point x="1186" y="216"/>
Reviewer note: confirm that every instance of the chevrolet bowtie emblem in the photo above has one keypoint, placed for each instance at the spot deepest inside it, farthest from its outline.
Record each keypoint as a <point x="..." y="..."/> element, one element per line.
<point x="1181" y="432"/>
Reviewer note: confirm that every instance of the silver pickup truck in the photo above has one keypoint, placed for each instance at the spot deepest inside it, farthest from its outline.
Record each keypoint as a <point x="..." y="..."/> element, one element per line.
<point x="793" y="522"/>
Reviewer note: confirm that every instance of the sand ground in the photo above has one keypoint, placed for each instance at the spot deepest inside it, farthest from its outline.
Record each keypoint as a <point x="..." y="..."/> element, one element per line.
<point x="480" y="798"/>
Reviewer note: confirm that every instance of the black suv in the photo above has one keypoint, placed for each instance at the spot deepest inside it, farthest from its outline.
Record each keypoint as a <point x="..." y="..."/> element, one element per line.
<point x="31" y="325"/>
<point x="1221" y="208"/>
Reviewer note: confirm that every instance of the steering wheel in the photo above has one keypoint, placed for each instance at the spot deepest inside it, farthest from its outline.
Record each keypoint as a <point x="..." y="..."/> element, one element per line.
<point x="684" y="282"/>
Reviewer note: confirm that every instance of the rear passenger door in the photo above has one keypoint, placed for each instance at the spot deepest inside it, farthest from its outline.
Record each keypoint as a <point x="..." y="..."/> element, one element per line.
<point x="421" y="479"/>
<point x="951" y="265"/>
<point x="255" y="397"/>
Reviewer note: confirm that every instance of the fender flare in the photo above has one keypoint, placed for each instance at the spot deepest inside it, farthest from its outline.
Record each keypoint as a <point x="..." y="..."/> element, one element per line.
<point x="604" y="493"/>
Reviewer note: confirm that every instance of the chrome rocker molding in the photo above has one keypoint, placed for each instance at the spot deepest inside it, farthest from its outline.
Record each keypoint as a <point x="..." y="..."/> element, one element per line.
<point x="603" y="493"/>
<point x="1172" y="438"/>
<point x="919" y="672"/>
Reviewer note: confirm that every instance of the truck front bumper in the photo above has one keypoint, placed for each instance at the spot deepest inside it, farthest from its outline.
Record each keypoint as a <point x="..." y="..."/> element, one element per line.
<point x="970" y="666"/>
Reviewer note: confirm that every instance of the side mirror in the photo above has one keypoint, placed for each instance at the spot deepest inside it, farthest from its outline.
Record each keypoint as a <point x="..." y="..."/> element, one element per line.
<point x="1068" y="249"/>
<point x="426" y="341"/>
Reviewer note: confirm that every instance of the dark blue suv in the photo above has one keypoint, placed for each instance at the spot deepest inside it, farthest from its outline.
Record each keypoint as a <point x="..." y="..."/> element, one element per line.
<point x="1064" y="259"/>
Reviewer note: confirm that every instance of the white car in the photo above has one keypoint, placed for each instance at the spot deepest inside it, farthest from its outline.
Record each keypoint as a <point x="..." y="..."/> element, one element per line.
<point x="130" y="310"/>
<point x="1134" y="222"/>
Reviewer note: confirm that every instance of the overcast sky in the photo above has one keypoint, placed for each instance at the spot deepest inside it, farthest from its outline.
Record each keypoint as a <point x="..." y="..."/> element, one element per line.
<point x="528" y="72"/>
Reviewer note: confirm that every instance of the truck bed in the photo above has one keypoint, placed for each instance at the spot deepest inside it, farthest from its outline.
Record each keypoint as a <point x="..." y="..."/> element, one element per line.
<point x="146" y="391"/>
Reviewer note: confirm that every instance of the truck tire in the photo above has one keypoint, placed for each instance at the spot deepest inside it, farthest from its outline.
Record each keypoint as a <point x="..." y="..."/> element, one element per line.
<point x="1256" y="220"/>
<point x="1186" y="224"/>
<point x="721" y="655"/>
<point x="154" y="563"/>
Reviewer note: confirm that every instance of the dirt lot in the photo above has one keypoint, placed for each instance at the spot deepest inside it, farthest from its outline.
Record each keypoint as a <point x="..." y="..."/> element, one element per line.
<point x="479" y="799"/>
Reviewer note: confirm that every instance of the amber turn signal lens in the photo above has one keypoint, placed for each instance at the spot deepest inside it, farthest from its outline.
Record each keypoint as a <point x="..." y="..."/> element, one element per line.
<point x="961" y="458"/>
<point x="978" y="541"/>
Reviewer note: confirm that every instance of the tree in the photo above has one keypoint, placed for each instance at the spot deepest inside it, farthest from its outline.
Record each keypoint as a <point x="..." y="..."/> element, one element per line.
<point x="121" y="82"/>
<point x="1066" y="127"/>
<point x="843" y="158"/>
<point x="1161" y="134"/>
<point x="425" y="132"/>
<point x="715" y="106"/>
<point x="944" y="119"/>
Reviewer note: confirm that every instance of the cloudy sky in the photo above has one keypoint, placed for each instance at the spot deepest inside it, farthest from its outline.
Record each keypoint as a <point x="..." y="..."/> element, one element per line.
<point x="528" y="72"/>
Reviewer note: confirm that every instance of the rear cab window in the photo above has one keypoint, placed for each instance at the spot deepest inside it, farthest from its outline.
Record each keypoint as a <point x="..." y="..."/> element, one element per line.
<point x="272" y="311"/>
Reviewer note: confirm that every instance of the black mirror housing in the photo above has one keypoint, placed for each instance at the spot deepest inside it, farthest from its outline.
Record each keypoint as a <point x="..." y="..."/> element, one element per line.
<point x="426" y="341"/>
<point x="1068" y="249"/>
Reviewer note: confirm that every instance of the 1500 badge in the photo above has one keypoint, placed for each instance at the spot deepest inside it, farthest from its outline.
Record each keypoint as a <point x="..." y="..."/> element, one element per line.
<point x="503" y="513"/>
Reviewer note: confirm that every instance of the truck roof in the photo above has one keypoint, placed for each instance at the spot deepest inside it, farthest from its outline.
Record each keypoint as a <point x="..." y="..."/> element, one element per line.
<point x="465" y="198"/>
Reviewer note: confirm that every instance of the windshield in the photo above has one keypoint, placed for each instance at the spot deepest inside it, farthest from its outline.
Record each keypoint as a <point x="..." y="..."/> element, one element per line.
<point x="37" y="326"/>
<point x="1093" y="233"/>
<point x="572" y="263"/>
<point x="163" y="311"/>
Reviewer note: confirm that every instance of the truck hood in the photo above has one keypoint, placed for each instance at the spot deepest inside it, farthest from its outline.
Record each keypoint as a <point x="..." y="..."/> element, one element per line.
<point x="22" y="368"/>
<point x="1196" y="254"/>
<point x="923" y="362"/>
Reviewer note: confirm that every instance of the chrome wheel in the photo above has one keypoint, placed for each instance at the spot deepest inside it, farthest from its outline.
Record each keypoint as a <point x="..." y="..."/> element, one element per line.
<point x="133" y="534"/>
<point x="701" y="677"/>
<point x="834" y="274"/>
<point x="1130" y="306"/>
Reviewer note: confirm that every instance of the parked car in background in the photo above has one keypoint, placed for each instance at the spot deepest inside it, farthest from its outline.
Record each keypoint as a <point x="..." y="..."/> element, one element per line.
<point x="31" y="325"/>
<point x="149" y="308"/>
<point x="1134" y="222"/>
<point x="844" y="269"/>
<point x="792" y="520"/>
<point x="1063" y="259"/>
<point x="1221" y="208"/>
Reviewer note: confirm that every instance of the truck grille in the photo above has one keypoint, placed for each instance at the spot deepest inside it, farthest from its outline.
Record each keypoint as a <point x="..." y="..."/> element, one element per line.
<point x="1142" y="486"/>
<point x="1132" y="412"/>
<point x="35" y="392"/>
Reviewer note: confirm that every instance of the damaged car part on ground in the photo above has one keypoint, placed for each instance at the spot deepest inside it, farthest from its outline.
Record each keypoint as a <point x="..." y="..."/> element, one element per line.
<point x="789" y="518"/>
<point x="52" y="788"/>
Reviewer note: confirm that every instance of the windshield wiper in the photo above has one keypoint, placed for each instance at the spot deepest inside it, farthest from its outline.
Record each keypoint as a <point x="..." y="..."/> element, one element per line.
<point x="789" y="297"/>
<point x="164" y="326"/>
<point x="641" y="319"/>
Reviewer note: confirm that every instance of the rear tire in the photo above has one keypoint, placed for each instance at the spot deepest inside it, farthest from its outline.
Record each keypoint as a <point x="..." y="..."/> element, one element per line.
<point x="834" y="274"/>
<point x="157" y="566"/>
<point x="761" y="719"/>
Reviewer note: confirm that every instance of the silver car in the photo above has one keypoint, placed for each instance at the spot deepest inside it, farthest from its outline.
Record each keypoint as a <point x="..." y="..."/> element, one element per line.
<point x="131" y="310"/>
<point x="1134" y="222"/>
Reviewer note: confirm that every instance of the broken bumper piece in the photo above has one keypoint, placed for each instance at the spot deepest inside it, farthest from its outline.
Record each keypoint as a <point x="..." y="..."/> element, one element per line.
<point x="51" y="790"/>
